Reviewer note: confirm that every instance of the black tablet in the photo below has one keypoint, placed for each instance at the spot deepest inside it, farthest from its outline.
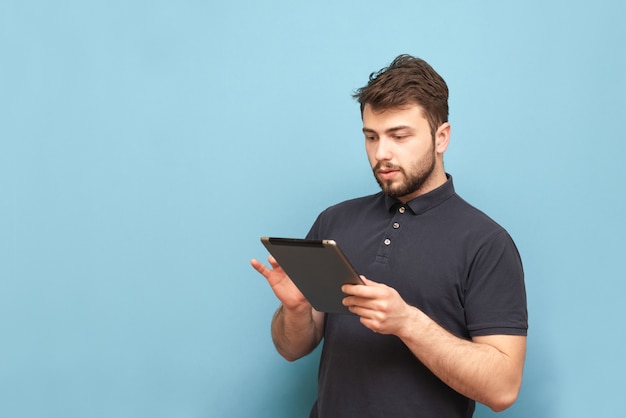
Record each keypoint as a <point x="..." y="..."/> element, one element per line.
<point x="317" y="267"/>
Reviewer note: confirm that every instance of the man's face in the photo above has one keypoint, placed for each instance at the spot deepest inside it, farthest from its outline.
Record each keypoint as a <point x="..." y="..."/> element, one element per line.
<point x="401" y="151"/>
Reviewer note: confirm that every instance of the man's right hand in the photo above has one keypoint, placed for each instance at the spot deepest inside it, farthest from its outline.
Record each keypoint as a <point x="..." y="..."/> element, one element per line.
<point x="297" y="328"/>
<point x="282" y="286"/>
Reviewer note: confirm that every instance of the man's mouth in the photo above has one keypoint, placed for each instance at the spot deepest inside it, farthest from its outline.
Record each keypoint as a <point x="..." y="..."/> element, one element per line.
<point x="387" y="173"/>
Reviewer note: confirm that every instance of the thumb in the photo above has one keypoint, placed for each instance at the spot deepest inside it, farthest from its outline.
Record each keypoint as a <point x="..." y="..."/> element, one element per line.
<point x="367" y="281"/>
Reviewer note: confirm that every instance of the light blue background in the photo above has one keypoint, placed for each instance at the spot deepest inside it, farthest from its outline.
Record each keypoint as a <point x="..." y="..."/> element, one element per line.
<point x="146" y="145"/>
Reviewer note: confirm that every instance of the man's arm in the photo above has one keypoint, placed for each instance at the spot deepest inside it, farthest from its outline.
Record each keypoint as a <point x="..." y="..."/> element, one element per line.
<point x="297" y="328"/>
<point x="296" y="332"/>
<point x="487" y="369"/>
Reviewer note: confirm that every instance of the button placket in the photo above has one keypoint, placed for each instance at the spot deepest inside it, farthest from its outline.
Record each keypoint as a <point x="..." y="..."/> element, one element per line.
<point x="395" y="225"/>
<point x="391" y="234"/>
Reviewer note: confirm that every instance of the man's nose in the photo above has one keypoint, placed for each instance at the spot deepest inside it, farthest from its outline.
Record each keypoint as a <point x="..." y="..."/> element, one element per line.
<point x="383" y="150"/>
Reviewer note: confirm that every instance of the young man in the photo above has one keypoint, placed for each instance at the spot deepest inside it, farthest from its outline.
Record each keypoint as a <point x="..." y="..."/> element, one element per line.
<point x="441" y="320"/>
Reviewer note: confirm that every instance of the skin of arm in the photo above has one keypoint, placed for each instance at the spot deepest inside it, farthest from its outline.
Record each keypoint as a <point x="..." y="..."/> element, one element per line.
<point x="487" y="369"/>
<point x="297" y="328"/>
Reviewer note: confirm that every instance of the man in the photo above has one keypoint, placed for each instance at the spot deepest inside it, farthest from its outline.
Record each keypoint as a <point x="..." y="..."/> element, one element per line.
<point x="441" y="320"/>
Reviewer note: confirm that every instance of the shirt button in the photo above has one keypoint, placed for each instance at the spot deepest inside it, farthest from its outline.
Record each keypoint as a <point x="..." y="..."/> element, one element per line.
<point x="402" y="209"/>
<point x="396" y="225"/>
<point x="387" y="241"/>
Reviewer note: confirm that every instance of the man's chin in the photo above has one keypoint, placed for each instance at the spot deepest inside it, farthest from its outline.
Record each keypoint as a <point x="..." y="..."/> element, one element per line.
<point x="393" y="191"/>
<point x="391" y="188"/>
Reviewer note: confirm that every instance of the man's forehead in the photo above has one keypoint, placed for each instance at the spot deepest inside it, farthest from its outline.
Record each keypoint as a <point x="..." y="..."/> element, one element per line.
<point x="410" y="113"/>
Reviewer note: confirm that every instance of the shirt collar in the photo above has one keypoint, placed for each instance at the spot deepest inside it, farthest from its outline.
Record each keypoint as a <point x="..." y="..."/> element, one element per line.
<point x="426" y="201"/>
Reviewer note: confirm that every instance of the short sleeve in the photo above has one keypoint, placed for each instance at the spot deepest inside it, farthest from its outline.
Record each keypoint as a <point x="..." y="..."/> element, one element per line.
<point x="495" y="299"/>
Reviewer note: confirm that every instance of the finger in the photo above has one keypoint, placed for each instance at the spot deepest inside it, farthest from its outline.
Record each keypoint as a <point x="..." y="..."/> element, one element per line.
<point x="369" y="291"/>
<point x="273" y="261"/>
<point x="260" y="267"/>
<point x="352" y="289"/>
<point x="355" y="302"/>
<point x="368" y="282"/>
<point x="362" y="312"/>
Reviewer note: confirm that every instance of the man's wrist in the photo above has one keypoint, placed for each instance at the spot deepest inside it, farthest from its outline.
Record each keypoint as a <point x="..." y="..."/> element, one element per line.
<point x="298" y="310"/>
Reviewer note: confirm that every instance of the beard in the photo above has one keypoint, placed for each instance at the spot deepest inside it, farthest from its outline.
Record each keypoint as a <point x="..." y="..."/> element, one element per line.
<point x="412" y="179"/>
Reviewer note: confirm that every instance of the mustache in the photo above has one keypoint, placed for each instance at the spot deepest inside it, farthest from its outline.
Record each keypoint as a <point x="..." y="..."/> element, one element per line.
<point x="386" y="165"/>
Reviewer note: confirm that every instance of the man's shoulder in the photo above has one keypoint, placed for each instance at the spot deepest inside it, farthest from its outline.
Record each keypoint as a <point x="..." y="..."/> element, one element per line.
<point x="467" y="211"/>
<point x="470" y="224"/>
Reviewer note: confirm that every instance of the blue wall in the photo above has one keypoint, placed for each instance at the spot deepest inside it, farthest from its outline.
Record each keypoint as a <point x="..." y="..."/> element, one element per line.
<point x="146" y="145"/>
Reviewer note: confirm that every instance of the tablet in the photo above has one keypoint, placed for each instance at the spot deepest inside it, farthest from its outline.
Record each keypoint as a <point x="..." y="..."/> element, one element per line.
<point x="317" y="267"/>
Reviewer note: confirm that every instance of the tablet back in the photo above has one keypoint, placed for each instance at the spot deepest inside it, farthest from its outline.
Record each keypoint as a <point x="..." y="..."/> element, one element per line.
<point x="317" y="267"/>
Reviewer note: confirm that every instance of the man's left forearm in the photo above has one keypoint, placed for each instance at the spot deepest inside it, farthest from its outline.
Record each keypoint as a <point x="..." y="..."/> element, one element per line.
<point x="487" y="369"/>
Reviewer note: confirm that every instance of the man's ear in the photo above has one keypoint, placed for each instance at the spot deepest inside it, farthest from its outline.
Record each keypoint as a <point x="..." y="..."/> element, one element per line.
<point x="442" y="138"/>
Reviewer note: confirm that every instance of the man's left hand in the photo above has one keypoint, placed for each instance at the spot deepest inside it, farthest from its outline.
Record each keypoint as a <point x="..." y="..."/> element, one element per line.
<point x="380" y="307"/>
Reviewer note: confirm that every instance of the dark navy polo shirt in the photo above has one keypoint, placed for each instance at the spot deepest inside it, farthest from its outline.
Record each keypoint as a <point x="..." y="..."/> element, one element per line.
<point x="443" y="256"/>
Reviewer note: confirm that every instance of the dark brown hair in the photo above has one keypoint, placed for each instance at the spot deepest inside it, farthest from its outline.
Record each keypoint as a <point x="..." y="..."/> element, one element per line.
<point x="407" y="80"/>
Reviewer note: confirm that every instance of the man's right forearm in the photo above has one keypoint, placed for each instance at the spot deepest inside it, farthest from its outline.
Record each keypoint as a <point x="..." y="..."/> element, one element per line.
<point x="296" y="332"/>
